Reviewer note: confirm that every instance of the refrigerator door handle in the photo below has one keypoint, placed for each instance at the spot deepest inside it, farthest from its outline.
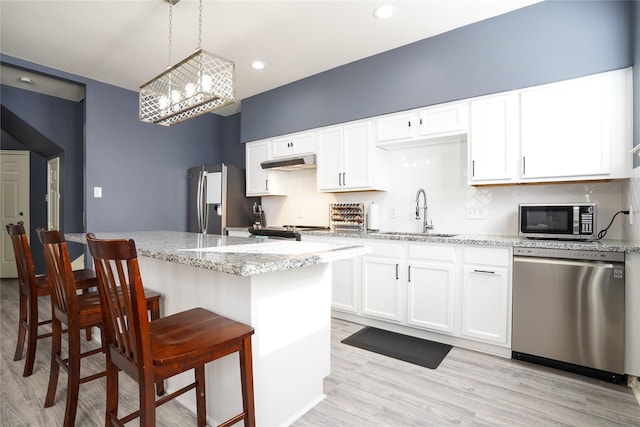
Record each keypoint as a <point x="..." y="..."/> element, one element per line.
<point x="204" y="205"/>
<point x="201" y="202"/>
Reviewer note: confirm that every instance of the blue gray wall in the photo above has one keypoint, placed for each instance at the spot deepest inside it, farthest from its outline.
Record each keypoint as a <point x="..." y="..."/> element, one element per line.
<point x="545" y="42"/>
<point x="46" y="114"/>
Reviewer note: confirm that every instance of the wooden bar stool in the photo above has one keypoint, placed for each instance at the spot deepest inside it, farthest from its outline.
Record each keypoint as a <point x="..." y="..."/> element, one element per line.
<point x="31" y="288"/>
<point x="156" y="350"/>
<point x="76" y="312"/>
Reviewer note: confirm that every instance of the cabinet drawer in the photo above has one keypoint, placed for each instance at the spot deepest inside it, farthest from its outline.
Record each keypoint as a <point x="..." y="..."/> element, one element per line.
<point x="384" y="249"/>
<point x="440" y="253"/>
<point x="486" y="256"/>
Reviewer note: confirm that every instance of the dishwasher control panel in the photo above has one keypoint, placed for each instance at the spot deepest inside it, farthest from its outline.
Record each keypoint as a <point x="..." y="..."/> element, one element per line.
<point x="569" y="254"/>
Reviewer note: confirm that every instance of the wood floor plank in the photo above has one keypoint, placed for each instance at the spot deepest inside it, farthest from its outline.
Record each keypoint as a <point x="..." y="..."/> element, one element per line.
<point x="364" y="389"/>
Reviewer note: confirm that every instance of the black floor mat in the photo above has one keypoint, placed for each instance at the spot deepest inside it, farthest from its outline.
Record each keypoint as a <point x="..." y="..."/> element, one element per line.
<point x="402" y="347"/>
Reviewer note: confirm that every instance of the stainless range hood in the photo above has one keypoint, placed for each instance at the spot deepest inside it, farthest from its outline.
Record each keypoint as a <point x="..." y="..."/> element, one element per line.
<point x="291" y="163"/>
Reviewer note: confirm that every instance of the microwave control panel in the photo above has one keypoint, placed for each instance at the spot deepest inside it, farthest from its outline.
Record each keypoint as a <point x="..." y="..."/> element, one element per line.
<point x="586" y="220"/>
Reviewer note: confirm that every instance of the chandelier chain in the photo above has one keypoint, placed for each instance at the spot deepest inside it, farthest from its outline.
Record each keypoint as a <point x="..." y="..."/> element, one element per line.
<point x="200" y="26"/>
<point x="170" y="31"/>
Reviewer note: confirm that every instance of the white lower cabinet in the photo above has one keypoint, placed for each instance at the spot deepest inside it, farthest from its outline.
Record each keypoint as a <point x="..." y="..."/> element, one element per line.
<point x="381" y="290"/>
<point x="345" y="289"/>
<point x="431" y="287"/>
<point x="460" y="294"/>
<point x="486" y="295"/>
<point x="382" y="281"/>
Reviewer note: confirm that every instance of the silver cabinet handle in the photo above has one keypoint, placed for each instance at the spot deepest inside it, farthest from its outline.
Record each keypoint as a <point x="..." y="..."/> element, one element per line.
<point x="473" y="168"/>
<point x="339" y="179"/>
<point x="266" y="185"/>
<point x="409" y="274"/>
<point x="344" y="178"/>
<point x="397" y="271"/>
<point x="484" y="271"/>
<point x="524" y="165"/>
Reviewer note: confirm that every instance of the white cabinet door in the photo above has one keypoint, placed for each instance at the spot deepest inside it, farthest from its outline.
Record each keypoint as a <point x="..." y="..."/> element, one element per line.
<point x="493" y="139"/>
<point x="381" y="290"/>
<point x="344" y="285"/>
<point x="260" y="182"/>
<point x="443" y="120"/>
<point x="430" y="296"/>
<point x="357" y="156"/>
<point x="396" y="127"/>
<point x="485" y="303"/>
<point x="330" y="159"/>
<point x="346" y="158"/>
<point x="297" y="144"/>
<point x="565" y="128"/>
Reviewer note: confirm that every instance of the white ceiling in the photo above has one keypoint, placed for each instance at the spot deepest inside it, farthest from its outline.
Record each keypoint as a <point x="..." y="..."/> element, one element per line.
<point x="126" y="43"/>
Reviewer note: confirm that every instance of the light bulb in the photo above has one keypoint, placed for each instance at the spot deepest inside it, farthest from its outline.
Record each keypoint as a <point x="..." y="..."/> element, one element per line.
<point x="207" y="83"/>
<point x="176" y="96"/>
<point x="163" y="102"/>
<point x="189" y="90"/>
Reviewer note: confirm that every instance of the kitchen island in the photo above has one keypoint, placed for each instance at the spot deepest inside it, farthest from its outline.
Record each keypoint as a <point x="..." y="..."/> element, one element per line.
<point x="282" y="288"/>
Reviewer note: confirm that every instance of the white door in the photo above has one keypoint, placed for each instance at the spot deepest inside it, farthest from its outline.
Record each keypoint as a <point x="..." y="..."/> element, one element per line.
<point x="53" y="194"/>
<point x="14" y="167"/>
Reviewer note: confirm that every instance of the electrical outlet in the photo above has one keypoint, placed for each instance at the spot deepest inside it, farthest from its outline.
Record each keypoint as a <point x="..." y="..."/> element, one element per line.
<point x="300" y="213"/>
<point x="475" y="213"/>
<point x="97" y="192"/>
<point x="393" y="213"/>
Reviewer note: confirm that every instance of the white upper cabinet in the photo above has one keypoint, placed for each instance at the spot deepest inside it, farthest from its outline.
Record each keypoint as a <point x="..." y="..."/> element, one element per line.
<point x="347" y="159"/>
<point x="494" y="139"/>
<point x="574" y="130"/>
<point x="417" y="127"/>
<point x="567" y="127"/>
<point x="291" y="145"/>
<point x="261" y="182"/>
<point x="396" y="127"/>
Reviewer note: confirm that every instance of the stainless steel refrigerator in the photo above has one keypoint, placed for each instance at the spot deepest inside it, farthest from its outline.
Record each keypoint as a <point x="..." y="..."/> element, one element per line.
<point x="217" y="199"/>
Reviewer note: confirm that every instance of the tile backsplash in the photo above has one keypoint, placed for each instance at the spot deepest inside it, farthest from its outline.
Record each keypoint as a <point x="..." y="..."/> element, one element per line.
<point x="453" y="206"/>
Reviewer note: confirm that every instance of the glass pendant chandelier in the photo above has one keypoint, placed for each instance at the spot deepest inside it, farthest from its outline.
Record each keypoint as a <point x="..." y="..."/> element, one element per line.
<point x="198" y="84"/>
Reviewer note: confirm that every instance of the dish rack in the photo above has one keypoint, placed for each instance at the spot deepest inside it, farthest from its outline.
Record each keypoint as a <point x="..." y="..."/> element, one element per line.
<point x="347" y="216"/>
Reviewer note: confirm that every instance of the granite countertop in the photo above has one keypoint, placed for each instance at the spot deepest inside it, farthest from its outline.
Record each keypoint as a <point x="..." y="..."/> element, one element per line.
<point x="486" y="240"/>
<point x="234" y="255"/>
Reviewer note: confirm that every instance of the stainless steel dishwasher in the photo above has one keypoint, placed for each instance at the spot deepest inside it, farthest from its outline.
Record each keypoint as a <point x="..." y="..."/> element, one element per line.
<point x="568" y="310"/>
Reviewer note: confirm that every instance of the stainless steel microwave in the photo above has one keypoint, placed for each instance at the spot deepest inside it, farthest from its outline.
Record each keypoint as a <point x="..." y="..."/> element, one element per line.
<point x="557" y="221"/>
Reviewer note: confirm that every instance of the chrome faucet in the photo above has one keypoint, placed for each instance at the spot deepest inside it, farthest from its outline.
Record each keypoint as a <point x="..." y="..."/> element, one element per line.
<point x="425" y="224"/>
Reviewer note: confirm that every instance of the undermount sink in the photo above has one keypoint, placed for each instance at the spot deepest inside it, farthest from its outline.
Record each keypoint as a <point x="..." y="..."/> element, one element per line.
<point x="408" y="234"/>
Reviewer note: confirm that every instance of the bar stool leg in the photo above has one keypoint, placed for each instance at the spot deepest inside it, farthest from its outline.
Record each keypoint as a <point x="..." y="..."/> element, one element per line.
<point x="22" y="328"/>
<point x="73" y="379"/>
<point x="54" y="370"/>
<point x="32" y="336"/>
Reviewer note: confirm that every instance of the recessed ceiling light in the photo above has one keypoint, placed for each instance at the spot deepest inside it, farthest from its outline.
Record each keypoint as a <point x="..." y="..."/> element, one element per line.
<point x="384" y="12"/>
<point x="25" y="80"/>
<point x="257" y="65"/>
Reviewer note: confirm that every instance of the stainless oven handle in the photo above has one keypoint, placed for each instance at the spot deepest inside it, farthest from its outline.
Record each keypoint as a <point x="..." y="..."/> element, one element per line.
<point x="576" y="263"/>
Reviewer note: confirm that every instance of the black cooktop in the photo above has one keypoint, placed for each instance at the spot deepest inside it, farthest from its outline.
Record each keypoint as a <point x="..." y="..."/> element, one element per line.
<point x="284" y="232"/>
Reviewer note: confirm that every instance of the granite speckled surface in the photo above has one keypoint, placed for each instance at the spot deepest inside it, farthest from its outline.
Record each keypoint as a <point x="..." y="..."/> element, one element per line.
<point x="481" y="240"/>
<point x="233" y="255"/>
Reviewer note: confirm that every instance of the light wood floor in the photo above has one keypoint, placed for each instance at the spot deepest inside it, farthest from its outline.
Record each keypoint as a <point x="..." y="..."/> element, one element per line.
<point x="364" y="389"/>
